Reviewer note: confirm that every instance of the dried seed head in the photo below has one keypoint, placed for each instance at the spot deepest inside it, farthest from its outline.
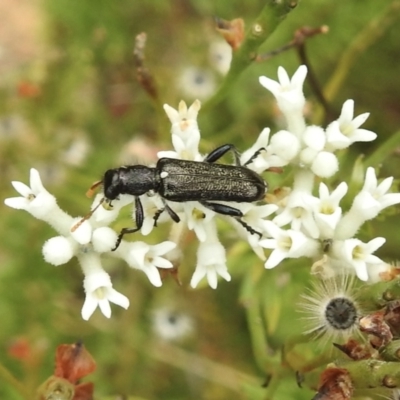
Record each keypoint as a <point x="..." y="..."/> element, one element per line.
<point x="331" y="308"/>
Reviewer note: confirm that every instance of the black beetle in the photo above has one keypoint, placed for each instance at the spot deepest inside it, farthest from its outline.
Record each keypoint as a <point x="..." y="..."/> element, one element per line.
<point x="183" y="180"/>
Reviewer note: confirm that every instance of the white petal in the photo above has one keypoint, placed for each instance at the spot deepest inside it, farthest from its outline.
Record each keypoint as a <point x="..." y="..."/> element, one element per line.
<point x="361" y="269"/>
<point x="89" y="306"/>
<point x="275" y="258"/>
<point x="153" y="275"/>
<point x="105" y="307"/>
<point x="35" y="181"/>
<point x="212" y="278"/>
<point x="198" y="275"/>
<point x="19" y="203"/>
<point x="359" y="120"/>
<point x="22" y="189"/>
<point x="172" y="114"/>
<point x="161" y="262"/>
<point x="163" y="248"/>
<point x="118" y="298"/>
<point x="347" y="112"/>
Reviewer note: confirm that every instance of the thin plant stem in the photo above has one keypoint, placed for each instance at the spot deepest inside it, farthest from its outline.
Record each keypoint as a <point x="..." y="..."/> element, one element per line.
<point x="7" y="377"/>
<point x="273" y="13"/>
<point x="365" y="39"/>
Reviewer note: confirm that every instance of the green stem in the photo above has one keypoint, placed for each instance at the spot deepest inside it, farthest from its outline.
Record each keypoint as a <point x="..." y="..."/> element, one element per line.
<point x="373" y="374"/>
<point x="365" y="38"/>
<point x="270" y="17"/>
<point x="8" y="378"/>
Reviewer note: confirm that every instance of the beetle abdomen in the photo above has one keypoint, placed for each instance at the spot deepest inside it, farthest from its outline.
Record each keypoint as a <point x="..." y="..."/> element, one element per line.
<point x="196" y="181"/>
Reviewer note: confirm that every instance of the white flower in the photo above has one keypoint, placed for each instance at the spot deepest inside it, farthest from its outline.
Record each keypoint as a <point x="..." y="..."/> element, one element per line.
<point x="211" y="262"/>
<point x="184" y="120"/>
<point x="379" y="198"/>
<point x="289" y="96"/>
<point x="147" y="258"/>
<point x="199" y="219"/>
<point x="331" y="308"/>
<point x="299" y="213"/>
<point x="185" y="132"/>
<point x="371" y="200"/>
<point x="287" y="244"/>
<point x="345" y="130"/>
<point x="39" y="203"/>
<point x="99" y="290"/>
<point x="358" y="255"/>
<point x="326" y="209"/>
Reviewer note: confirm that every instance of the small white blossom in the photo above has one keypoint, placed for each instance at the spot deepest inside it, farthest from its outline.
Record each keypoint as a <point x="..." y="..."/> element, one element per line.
<point x="99" y="291"/>
<point x="287" y="244"/>
<point x="211" y="262"/>
<point x="345" y="130"/>
<point x="199" y="219"/>
<point x="371" y="200"/>
<point x="185" y="132"/>
<point x="39" y="203"/>
<point x="147" y="258"/>
<point x="326" y="209"/>
<point x="184" y="120"/>
<point x="289" y="96"/>
<point x="358" y="255"/>
<point x="299" y="213"/>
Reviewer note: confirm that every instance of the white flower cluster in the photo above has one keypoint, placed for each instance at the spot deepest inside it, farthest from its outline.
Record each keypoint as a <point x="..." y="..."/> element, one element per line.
<point x="304" y="225"/>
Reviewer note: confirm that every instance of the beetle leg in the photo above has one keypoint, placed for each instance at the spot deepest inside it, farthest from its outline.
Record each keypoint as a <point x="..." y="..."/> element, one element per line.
<point x="157" y="215"/>
<point x="220" y="151"/>
<point x="172" y="213"/>
<point x="255" y="155"/>
<point x="248" y="228"/>
<point x="223" y="209"/>
<point x="232" y="212"/>
<point x="139" y="222"/>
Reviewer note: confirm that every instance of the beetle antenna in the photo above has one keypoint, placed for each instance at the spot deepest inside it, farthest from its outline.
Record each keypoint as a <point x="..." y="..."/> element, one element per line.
<point x="92" y="188"/>
<point x="87" y="216"/>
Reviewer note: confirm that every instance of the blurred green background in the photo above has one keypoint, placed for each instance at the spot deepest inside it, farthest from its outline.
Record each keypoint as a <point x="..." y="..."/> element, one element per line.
<point x="71" y="106"/>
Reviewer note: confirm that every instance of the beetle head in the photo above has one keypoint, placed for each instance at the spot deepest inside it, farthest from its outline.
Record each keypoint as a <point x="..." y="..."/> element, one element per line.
<point x="112" y="184"/>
